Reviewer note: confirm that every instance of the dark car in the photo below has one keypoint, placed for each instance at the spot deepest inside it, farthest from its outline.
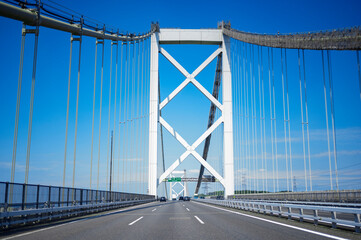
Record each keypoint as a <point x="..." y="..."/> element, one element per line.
<point x="186" y="199"/>
<point x="162" y="199"/>
<point x="181" y="198"/>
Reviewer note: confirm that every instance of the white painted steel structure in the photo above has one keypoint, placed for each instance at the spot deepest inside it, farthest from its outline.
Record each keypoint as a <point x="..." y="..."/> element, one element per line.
<point x="187" y="36"/>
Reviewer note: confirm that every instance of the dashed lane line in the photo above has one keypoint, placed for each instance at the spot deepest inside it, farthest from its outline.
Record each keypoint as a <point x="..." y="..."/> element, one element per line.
<point x="199" y="220"/>
<point x="130" y="224"/>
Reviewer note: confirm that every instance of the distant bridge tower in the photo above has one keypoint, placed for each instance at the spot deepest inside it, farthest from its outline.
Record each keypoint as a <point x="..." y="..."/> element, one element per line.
<point x="183" y="190"/>
<point x="187" y="36"/>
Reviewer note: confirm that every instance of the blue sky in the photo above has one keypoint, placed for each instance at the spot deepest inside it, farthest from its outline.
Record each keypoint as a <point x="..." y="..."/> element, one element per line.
<point x="186" y="117"/>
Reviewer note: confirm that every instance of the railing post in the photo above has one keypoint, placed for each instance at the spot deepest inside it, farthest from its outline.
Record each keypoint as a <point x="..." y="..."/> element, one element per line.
<point x="59" y="196"/>
<point x="23" y="198"/>
<point x="301" y="215"/>
<point x="279" y="211"/>
<point x="49" y="197"/>
<point x="289" y="213"/>
<point x="6" y="194"/>
<point x="357" y="220"/>
<point x="74" y="199"/>
<point x="67" y="197"/>
<point x="37" y="196"/>
<point x="315" y="215"/>
<point x="81" y="197"/>
<point x="334" y="217"/>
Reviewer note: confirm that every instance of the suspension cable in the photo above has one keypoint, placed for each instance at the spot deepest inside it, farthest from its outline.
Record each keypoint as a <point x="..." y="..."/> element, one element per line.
<point x="288" y="120"/>
<point x="307" y="121"/>
<point x="100" y="106"/>
<point x="260" y="114"/>
<point x="94" y="90"/>
<point x="21" y="67"/>
<point x="124" y="114"/>
<point x="237" y="97"/>
<point x="31" y="104"/>
<point x="138" y="162"/>
<point x="67" y="115"/>
<point x="115" y="111"/>
<point x="120" y="110"/>
<point x="245" y="143"/>
<point x="76" y="111"/>
<point x="284" y="119"/>
<point x="254" y="123"/>
<point x="326" y="111"/>
<point x="109" y="107"/>
<point x="264" y="123"/>
<point x="141" y="147"/>
<point x="274" y="119"/>
<point x="332" y="114"/>
<point x="132" y="118"/>
<point x="302" y="120"/>
<point x="271" y="118"/>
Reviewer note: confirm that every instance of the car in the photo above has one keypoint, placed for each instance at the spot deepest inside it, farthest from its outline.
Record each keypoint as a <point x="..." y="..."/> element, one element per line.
<point x="162" y="199"/>
<point x="186" y="199"/>
<point x="180" y="198"/>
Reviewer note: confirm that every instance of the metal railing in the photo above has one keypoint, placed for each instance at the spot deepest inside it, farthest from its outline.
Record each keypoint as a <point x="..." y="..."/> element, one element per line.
<point x="18" y="196"/>
<point x="34" y="216"/>
<point x="349" y="217"/>
<point x="341" y="196"/>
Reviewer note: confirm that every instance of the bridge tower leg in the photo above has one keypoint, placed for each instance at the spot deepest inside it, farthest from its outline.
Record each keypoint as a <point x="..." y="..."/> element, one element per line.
<point x="228" y="120"/>
<point x="153" y="115"/>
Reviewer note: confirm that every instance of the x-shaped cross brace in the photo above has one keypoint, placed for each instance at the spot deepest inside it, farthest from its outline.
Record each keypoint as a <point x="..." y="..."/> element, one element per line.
<point x="190" y="149"/>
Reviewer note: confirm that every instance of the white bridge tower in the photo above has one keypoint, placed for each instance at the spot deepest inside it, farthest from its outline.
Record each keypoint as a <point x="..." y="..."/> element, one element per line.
<point x="186" y="36"/>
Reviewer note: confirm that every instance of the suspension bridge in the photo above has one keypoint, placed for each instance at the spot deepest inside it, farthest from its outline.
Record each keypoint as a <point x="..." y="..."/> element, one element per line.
<point x="95" y="130"/>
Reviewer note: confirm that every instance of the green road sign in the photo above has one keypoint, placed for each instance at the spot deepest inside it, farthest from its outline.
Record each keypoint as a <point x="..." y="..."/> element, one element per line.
<point x="173" y="179"/>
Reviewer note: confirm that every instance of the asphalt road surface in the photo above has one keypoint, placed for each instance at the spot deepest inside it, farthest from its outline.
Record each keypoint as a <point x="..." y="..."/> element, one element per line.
<point x="172" y="220"/>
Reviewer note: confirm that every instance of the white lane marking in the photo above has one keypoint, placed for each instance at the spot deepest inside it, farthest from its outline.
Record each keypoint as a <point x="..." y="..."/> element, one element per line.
<point x="199" y="220"/>
<point x="278" y="223"/>
<point x="187" y="209"/>
<point x="154" y="209"/>
<point x="79" y="220"/>
<point x="130" y="224"/>
<point x="183" y="205"/>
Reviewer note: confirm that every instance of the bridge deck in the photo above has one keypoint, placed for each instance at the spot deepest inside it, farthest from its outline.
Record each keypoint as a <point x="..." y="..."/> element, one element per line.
<point x="178" y="220"/>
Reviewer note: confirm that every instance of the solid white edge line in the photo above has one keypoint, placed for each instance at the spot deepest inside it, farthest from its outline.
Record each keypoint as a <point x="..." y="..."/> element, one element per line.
<point x="78" y="220"/>
<point x="278" y="223"/>
<point x="130" y="224"/>
<point x="199" y="220"/>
